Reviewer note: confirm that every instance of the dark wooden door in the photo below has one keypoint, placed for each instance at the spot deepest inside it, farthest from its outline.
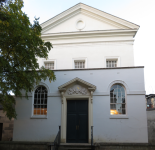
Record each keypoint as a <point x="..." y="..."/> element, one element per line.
<point x="77" y="121"/>
<point x="1" y="129"/>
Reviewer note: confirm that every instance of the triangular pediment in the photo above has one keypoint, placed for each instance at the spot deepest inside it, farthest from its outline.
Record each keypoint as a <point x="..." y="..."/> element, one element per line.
<point x="82" y="17"/>
<point x="76" y="80"/>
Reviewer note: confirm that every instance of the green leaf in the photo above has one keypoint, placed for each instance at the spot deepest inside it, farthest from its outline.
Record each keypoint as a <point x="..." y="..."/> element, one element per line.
<point x="20" y="44"/>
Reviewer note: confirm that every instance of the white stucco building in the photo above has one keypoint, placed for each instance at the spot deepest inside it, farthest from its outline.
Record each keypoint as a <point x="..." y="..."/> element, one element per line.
<point x="97" y="83"/>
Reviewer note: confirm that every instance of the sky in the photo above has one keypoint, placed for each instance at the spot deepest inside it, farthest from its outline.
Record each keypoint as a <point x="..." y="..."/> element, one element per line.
<point x="140" y="12"/>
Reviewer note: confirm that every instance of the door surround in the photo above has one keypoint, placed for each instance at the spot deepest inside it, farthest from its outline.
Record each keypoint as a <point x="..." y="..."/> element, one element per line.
<point x="76" y="89"/>
<point x="64" y="116"/>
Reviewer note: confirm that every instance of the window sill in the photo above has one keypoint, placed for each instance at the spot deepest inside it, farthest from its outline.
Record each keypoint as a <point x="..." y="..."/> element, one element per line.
<point x="118" y="117"/>
<point x="39" y="117"/>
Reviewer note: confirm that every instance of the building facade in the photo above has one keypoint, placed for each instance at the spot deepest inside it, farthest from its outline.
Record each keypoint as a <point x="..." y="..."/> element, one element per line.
<point x="6" y="126"/>
<point x="150" y="101"/>
<point x="97" y="83"/>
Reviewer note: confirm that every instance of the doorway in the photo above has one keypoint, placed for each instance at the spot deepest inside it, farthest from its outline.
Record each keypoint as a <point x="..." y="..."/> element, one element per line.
<point x="77" y="121"/>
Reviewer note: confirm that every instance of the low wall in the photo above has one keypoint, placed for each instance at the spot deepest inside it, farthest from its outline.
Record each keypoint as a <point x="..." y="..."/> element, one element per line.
<point x="99" y="146"/>
<point x="124" y="146"/>
<point x="151" y="124"/>
<point x="23" y="145"/>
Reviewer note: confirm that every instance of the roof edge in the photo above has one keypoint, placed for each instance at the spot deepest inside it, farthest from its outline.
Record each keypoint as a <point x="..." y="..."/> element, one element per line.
<point x="110" y="14"/>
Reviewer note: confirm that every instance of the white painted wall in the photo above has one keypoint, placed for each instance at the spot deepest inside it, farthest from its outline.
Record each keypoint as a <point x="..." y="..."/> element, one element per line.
<point x="95" y="54"/>
<point x="131" y="129"/>
<point x="98" y="40"/>
<point x="27" y="129"/>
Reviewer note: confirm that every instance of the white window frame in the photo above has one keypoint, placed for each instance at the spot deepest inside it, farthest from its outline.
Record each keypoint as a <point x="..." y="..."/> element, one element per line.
<point x="111" y="63"/>
<point x="32" y="113"/>
<point x="82" y="59"/>
<point x="112" y="58"/>
<point x="51" y="61"/>
<point x="120" y="116"/>
<point x="118" y="103"/>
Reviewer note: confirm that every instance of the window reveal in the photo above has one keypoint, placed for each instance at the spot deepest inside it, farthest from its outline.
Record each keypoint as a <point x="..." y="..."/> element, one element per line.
<point x="40" y="101"/>
<point x="117" y="100"/>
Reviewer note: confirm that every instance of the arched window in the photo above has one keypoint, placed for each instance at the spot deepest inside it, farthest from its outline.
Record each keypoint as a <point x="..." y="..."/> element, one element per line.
<point x="117" y="100"/>
<point x="40" y="101"/>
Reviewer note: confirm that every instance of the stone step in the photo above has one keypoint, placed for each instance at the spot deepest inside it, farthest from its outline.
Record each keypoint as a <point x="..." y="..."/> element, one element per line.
<point x="75" y="146"/>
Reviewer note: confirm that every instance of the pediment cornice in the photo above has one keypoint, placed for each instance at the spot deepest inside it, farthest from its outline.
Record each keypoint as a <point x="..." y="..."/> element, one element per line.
<point x="89" y="34"/>
<point x="89" y="11"/>
<point x="89" y="86"/>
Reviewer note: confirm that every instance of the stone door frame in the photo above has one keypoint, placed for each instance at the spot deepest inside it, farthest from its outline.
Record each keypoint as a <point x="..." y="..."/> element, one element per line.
<point x="64" y="115"/>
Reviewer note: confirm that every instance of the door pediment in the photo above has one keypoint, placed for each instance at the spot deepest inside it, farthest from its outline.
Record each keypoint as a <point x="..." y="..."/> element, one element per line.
<point x="77" y="87"/>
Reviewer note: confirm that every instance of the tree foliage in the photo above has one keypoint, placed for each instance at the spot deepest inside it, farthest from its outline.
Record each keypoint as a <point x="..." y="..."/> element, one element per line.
<point x="20" y="46"/>
<point x="2" y="3"/>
